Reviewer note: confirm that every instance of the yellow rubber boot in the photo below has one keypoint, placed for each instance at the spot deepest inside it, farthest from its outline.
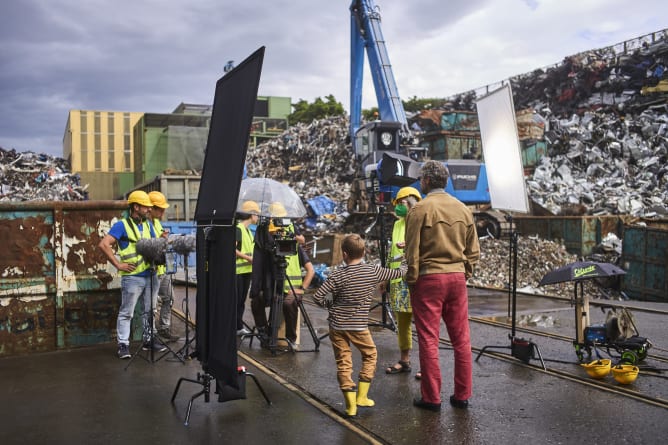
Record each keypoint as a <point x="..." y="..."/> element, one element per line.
<point x="362" y="391"/>
<point x="351" y="403"/>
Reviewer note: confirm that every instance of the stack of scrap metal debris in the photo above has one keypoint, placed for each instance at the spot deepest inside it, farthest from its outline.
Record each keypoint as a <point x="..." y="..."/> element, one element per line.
<point x="28" y="176"/>
<point x="606" y="130"/>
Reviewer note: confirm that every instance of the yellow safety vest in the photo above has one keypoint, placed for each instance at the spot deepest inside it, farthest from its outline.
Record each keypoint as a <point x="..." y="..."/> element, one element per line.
<point x="129" y="254"/>
<point x="398" y="236"/>
<point x="160" y="269"/>
<point x="294" y="272"/>
<point x="247" y="245"/>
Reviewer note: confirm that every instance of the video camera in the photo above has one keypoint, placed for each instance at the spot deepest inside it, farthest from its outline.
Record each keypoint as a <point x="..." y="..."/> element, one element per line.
<point x="285" y="243"/>
<point x="276" y="237"/>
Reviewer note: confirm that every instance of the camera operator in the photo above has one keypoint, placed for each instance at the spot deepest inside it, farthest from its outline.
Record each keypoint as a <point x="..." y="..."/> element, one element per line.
<point x="267" y="261"/>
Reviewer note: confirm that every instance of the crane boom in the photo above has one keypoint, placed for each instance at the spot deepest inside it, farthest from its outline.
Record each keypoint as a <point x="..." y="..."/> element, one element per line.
<point x="366" y="36"/>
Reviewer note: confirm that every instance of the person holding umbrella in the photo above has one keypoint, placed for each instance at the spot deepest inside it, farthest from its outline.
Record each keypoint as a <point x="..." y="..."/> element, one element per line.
<point x="264" y="283"/>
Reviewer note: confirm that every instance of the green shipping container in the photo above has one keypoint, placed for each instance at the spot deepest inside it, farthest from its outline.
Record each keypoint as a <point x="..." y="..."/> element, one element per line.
<point x="645" y="259"/>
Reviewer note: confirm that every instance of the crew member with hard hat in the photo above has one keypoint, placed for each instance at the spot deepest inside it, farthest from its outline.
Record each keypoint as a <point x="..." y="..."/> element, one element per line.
<point x="264" y="276"/>
<point x="166" y="288"/>
<point x="138" y="280"/>
<point x="248" y="214"/>
<point x="400" y="301"/>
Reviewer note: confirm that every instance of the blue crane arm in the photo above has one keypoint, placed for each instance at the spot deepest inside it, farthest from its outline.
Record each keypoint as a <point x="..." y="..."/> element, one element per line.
<point x="366" y="34"/>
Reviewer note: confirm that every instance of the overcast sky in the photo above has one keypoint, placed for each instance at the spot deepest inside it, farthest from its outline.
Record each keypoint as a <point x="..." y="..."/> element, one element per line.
<point x="151" y="55"/>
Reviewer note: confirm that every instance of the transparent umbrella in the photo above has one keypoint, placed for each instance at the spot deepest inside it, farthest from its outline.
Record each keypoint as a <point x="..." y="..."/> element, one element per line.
<point x="273" y="197"/>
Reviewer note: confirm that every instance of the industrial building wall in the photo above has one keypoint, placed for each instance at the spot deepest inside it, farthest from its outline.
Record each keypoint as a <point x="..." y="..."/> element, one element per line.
<point x="100" y="141"/>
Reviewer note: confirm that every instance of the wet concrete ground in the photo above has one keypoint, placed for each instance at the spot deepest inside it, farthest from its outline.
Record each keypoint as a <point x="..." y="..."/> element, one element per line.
<point x="88" y="396"/>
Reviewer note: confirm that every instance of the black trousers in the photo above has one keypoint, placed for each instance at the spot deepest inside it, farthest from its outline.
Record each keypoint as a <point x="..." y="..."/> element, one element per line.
<point x="290" y="315"/>
<point x="243" y="283"/>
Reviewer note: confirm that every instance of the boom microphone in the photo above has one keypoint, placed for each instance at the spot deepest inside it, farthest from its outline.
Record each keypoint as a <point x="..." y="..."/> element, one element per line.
<point x="183" y="244"/>
<point x="152" y="249"/>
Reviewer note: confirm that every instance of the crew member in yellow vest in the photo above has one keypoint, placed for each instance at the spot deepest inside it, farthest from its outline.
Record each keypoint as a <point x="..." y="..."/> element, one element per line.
<point x="138" y="279"/>
<point x="248" y="215"/>
<point x="262" y="282"/>
<point x="400" y="301"/>
<point x="166" y="287"/>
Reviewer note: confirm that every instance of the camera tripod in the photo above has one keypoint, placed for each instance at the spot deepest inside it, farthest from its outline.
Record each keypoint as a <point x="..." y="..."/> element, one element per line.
<point x="277" y="305"/>
<point x="184" y="353"/>
<point x="148" y="320"/>
<point x="387" y="318"/>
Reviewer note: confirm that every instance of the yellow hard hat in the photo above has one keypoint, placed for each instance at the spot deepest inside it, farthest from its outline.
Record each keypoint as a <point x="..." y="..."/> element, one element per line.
<point x="625" y="374"/>
<point x="598" y="369"/>
<point x="140" y="197"/>
<point x="250" y="207"/>
<point x="158" y="199"/>
<point x="277" y="209"/>
<point x="404" y="192"/>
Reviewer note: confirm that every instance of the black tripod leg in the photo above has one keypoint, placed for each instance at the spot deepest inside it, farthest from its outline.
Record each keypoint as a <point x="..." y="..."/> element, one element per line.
<point x="178" y="385"/>
<point x="259" y="387"/>
<point x="202" y="379"/>
<point x="309" y="325"/>
<point x="274" y="316"/>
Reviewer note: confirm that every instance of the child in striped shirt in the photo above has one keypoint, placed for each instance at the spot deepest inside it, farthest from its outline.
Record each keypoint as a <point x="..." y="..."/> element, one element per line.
<point x="352" y="287"/>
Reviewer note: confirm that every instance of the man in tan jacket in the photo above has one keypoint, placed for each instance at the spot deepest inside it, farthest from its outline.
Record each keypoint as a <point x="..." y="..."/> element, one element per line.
<point x="441" y="250"/>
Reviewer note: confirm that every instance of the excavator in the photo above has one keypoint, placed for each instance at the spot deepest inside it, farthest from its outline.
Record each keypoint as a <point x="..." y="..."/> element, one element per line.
<point x="387" y="150"/>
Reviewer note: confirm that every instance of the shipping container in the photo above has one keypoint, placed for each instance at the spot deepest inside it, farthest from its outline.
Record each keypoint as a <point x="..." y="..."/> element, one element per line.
<point x="645" y="259"/>
<point x="181" y="192"/>
<point x="579" y="234"/>
<point x="57" y="289"/>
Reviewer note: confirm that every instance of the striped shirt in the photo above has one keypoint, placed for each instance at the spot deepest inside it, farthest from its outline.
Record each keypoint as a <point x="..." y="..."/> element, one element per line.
<point x="352" y="288"/>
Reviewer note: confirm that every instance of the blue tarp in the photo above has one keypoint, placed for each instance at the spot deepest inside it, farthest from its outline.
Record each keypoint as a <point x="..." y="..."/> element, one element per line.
<point x="320" y="205"/>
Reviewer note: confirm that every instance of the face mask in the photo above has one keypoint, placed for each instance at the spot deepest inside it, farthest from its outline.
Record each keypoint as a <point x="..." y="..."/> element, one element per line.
<point x="401" y="210"/>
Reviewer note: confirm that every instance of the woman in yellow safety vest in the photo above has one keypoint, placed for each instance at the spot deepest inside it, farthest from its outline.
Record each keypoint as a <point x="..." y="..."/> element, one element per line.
<point x="400" y="301"/>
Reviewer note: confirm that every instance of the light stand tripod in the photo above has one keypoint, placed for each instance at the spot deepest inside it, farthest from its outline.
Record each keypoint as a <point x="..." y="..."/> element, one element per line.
<point x="277" y="305"/>
<point x="208" y="273"/>
<point x="148" y="321"/>
<point x="184" y="352"/>
<point x="387" y="318"/>
<point x="519" y="347"/>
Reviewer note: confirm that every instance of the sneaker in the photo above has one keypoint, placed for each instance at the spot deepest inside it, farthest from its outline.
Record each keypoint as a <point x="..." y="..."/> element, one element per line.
<point x="166" y="336"/>
<point x="243" y="331"/>
<point x="123" y="350"/>
<point x="158" y="346"/>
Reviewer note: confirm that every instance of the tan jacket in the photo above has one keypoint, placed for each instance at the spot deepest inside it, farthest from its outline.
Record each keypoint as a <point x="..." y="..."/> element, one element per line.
<point x="440" y="237"/>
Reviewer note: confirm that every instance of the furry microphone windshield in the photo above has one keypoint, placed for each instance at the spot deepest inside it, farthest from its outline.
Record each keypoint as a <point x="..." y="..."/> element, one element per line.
<point x="152" y="249"/>
<point x="183" y="244"/>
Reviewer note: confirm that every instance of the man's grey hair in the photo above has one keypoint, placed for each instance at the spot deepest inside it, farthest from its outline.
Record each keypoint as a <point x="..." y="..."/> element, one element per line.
<point x="436" y="173"/>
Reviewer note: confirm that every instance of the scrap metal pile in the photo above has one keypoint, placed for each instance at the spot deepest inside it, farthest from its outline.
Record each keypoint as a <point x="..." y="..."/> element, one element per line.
<point x="313" y="159"/>
<point x="535" y="258"/>
<point x="28" y="176"/>
<point x="605" y="114"/>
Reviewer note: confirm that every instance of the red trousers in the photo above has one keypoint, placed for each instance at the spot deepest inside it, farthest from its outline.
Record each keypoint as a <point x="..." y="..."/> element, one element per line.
<point x="435" y="297"/>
